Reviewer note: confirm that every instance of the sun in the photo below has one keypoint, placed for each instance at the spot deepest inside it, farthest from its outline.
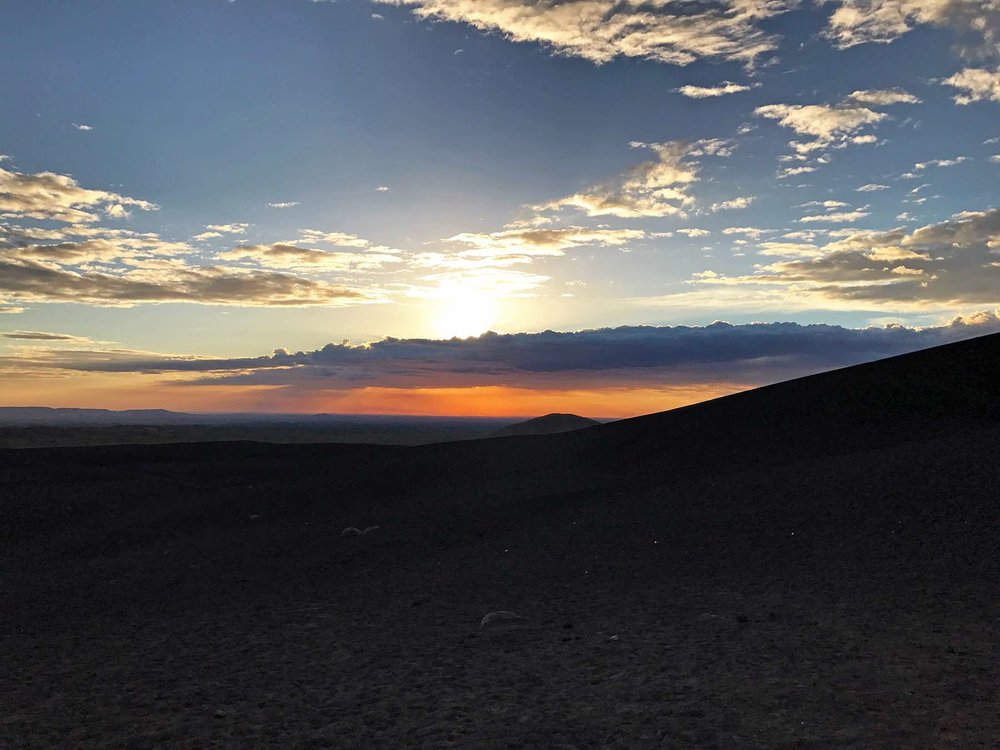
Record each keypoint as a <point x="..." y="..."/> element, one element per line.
<point x="464" y="312"/>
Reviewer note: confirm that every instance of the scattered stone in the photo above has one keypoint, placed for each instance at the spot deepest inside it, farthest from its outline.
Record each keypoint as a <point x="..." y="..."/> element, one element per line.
<point x="501" y="617"/>
<point x="355" y="531"/>
<point x="220" y="714"/>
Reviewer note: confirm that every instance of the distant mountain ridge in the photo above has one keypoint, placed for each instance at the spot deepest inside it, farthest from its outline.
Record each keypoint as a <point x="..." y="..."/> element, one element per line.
<point x="550" y="424"/>
<point x="23" y="416"/>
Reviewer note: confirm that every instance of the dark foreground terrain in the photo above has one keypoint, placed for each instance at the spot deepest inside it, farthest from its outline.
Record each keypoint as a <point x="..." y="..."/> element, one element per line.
<point x="809" y="565"/>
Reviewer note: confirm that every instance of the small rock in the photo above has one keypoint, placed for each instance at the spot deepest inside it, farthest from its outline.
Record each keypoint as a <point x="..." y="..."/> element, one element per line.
<point x="220" y="714"/>
<point x="501" y="617"/>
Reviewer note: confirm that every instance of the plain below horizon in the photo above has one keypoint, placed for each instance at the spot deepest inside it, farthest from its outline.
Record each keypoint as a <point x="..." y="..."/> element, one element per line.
<point x="47" y="427"/>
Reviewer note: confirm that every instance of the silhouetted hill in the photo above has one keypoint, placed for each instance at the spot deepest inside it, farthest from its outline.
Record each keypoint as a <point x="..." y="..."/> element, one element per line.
<point x="550" y="424"/>
<point x="811" y="564"/>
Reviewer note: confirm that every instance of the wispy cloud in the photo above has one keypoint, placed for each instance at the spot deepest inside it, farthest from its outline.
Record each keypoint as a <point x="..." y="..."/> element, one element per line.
<point x="829" y="125"/>
<point x="976" y="85"/>
<point x="58" y="197"/>
<point x="659" y="187"/>
<point x="601" y="30"/>
<point x="856" y="22"/>
<point x="705" y="92"/>
<point x="938" y="266"/>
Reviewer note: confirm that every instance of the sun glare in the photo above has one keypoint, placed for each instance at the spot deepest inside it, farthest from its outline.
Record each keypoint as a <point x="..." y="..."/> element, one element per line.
<point x="464" y="312"/>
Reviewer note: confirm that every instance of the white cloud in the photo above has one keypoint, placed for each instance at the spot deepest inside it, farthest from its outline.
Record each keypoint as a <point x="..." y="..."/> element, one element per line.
<point x="58" y="197"/>
<point x="286" y="256"/>
<point x="793" y="171"/>
<point x="938" y="266"/>
<point x="920" y="166"/>
<point x="541" y="241"/>
<point x="882" y="21"/>
<point x="884" y="97"/>
<point x="977" y="84"/>
<point x="871" y="187"/>
<point x="790" y="249"/>
<point x="704" y="92"/>
<point x="753" y="233"/>
<point x="601" y="30"/>
<point x="652" y="188"/>
<point x="828" y="125"/>
<point x="694" y="232"/>
<point x="382" y="189"/>
<point x="284" y="204"/>
<point x="80" y="126"/>
<point x="734" y="203"/>
<point x="825" y="204"/>
<point x="214" y="231"/>
<point x="837" y="217"/>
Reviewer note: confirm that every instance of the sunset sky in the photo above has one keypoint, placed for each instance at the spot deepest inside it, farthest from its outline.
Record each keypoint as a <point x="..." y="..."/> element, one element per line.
<point x="297" y="205"/>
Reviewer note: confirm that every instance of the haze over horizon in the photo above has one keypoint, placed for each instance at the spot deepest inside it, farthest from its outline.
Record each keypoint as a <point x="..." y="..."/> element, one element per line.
<point x="489" y="207"/>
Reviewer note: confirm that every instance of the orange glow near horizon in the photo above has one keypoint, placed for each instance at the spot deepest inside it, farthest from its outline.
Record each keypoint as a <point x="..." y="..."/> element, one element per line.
<point x="123" y="391"/>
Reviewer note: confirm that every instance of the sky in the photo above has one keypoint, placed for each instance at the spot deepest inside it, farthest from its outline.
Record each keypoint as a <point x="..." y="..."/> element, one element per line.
<point x="481" y="207"/>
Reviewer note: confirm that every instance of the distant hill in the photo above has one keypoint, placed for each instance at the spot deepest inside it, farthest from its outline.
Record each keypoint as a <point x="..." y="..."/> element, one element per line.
<point x="550" y="424"/>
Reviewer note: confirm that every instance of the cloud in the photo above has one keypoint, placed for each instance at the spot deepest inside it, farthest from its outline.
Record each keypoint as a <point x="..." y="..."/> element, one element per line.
<point x="382" y="189"/>
<point x="654" y="188"/>
<point x="836" y="217"/>
<point x="228" y="228"/>
<point x="794" y="171"/>
<point x="871" y="187"/>
<point x="785" y="249"/>
<point x="285" y="204"/>
<point x="541" y="241"/>
<point x="704" y="92"/>
<point x="829" y="125"/>
<point x="919" y="166"/>
<point x="734" y="203"/>
<point x="939" y="266"/>
<point x="828" y="204"/>
<point x="214" y="231"/>
<point x="35" y="281"/>
<point x="601" y="30"/>
<point x="882" y="21"/>
<point x="977" y="85"/>
<point x="628" y="356"/>
<point x="280" y="255"/>
<point x="58" y="197"/>
<point x="884" y="97"/>
<point x="84" y="262"/>
<point x="40" y="336"/>
<point x="80" y="126"/>
<point x="753" y="233"/>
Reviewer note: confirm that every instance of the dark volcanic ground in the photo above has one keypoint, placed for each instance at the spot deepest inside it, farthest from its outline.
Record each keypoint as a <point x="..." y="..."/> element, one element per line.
<point x="809" y="565"/>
